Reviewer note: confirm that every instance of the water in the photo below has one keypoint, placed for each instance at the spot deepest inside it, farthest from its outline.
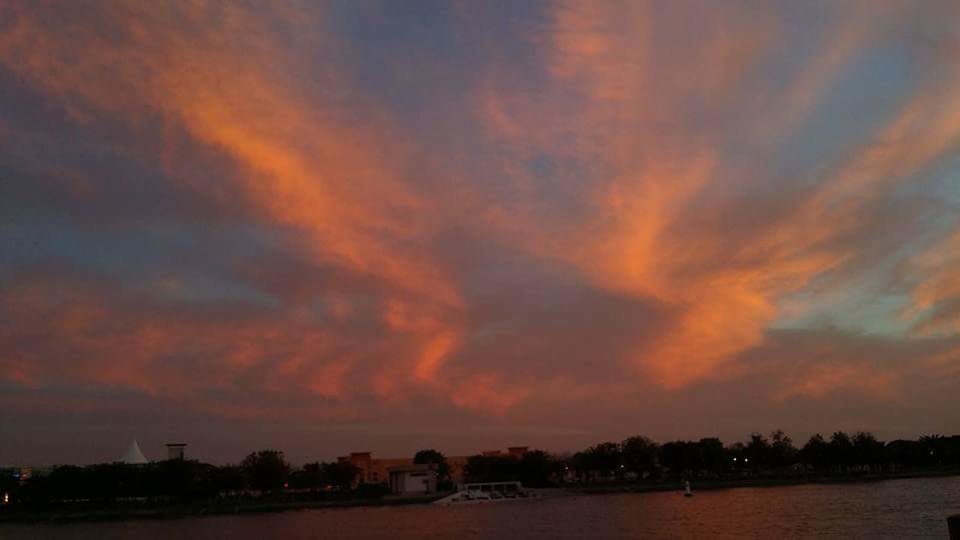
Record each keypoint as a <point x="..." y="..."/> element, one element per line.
<point x="894" y="508"/>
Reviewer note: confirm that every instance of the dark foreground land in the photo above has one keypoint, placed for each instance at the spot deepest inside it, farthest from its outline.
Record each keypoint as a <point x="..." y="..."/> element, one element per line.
<point x="81" y="512"/>
<point x="133" y="510"/>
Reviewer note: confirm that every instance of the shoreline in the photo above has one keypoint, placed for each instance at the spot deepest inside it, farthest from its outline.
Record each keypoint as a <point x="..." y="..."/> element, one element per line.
<point x="120" y="512"/>
<point x="734" y="483"/>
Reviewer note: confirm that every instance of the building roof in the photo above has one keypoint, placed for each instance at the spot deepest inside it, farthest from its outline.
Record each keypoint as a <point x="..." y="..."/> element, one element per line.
<point x="419" y="467"/>
<point x="133" y="455"/>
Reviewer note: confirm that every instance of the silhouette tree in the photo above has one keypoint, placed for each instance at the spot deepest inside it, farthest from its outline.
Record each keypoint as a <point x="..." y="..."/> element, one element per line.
<point x="339" y="474"/>
<point x="181" y="479"/>
<point x="841" y="451"/>
<point x="681" y="457"/>
<point x="266" y="470"/>
<point x="639" y="454"/>
<point x="782" y="452"/>
<point x="758" y="451"/>
<point x="713" y="455"/>
<point x="535" y="468"/>
<point x="68" y="483"/>
<point x="229" y="479"/>
<point x="603" y="460"/>
<point x="939" y="449"/>
<point x="492" y="468"/>
<point x="867" y="450"/>
<point x="816" y="453"/>
<point x="309" y="476"/>
<point x="433" y="457"/>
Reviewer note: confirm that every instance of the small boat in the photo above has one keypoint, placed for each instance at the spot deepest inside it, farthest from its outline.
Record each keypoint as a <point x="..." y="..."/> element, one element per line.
<point x="488" y="492"/>
<point x="687" y="492"/>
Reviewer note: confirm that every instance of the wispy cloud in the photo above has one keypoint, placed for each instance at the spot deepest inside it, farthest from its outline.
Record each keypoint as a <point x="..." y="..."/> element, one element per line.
<point x="306" y="210"/>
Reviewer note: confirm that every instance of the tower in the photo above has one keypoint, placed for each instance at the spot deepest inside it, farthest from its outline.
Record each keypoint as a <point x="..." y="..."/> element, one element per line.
<point x="175" y="450"/>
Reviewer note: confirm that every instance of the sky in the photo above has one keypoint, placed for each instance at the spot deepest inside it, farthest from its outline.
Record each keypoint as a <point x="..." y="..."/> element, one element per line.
<point x="339" y="226"/>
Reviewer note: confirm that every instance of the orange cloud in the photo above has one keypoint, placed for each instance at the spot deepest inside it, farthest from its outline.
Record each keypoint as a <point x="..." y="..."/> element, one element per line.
<point x="340" y="180"/>
<point x="488" y="393"/>
<point x="936" y="296"/>
<point x="824" y="380"/>
<point x="666" y="220"/>
<point x="607" y="176"/>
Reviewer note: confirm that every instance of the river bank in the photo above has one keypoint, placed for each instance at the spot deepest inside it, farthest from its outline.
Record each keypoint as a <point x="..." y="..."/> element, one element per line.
<point x="122" y="512"/>
<point x="132" y="511"/>
<point x="914" y="508"/>
<point x="731" y="483"/>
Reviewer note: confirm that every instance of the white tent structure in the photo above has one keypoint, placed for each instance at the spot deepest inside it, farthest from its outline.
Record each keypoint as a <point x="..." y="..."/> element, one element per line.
<point x="133" y="455"/>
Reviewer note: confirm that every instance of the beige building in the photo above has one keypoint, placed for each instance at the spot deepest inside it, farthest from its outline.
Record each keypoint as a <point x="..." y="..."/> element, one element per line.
<point x="377" y="470"/>
<point x="413" y="479"/>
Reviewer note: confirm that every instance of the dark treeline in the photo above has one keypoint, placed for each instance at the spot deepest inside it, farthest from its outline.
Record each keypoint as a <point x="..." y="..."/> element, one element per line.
<point x="639" y="459"/>
<point x="263" y="473"/>
<point x="535" y="468"/>
<point x="267" y="474"/>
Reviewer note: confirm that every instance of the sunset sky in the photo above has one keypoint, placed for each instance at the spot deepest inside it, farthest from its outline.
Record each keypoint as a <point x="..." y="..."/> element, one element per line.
<point x="339" y="226"/>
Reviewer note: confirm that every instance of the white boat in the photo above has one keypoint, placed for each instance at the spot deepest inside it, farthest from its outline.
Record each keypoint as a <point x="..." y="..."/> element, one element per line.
<point x="486" y="492"/>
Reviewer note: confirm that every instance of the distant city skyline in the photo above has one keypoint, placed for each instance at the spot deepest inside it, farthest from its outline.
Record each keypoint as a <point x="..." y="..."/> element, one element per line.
<point x="325" y="227"/>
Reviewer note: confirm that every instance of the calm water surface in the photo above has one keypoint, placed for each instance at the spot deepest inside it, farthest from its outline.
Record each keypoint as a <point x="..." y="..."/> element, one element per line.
<point x="895" y="508"/>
